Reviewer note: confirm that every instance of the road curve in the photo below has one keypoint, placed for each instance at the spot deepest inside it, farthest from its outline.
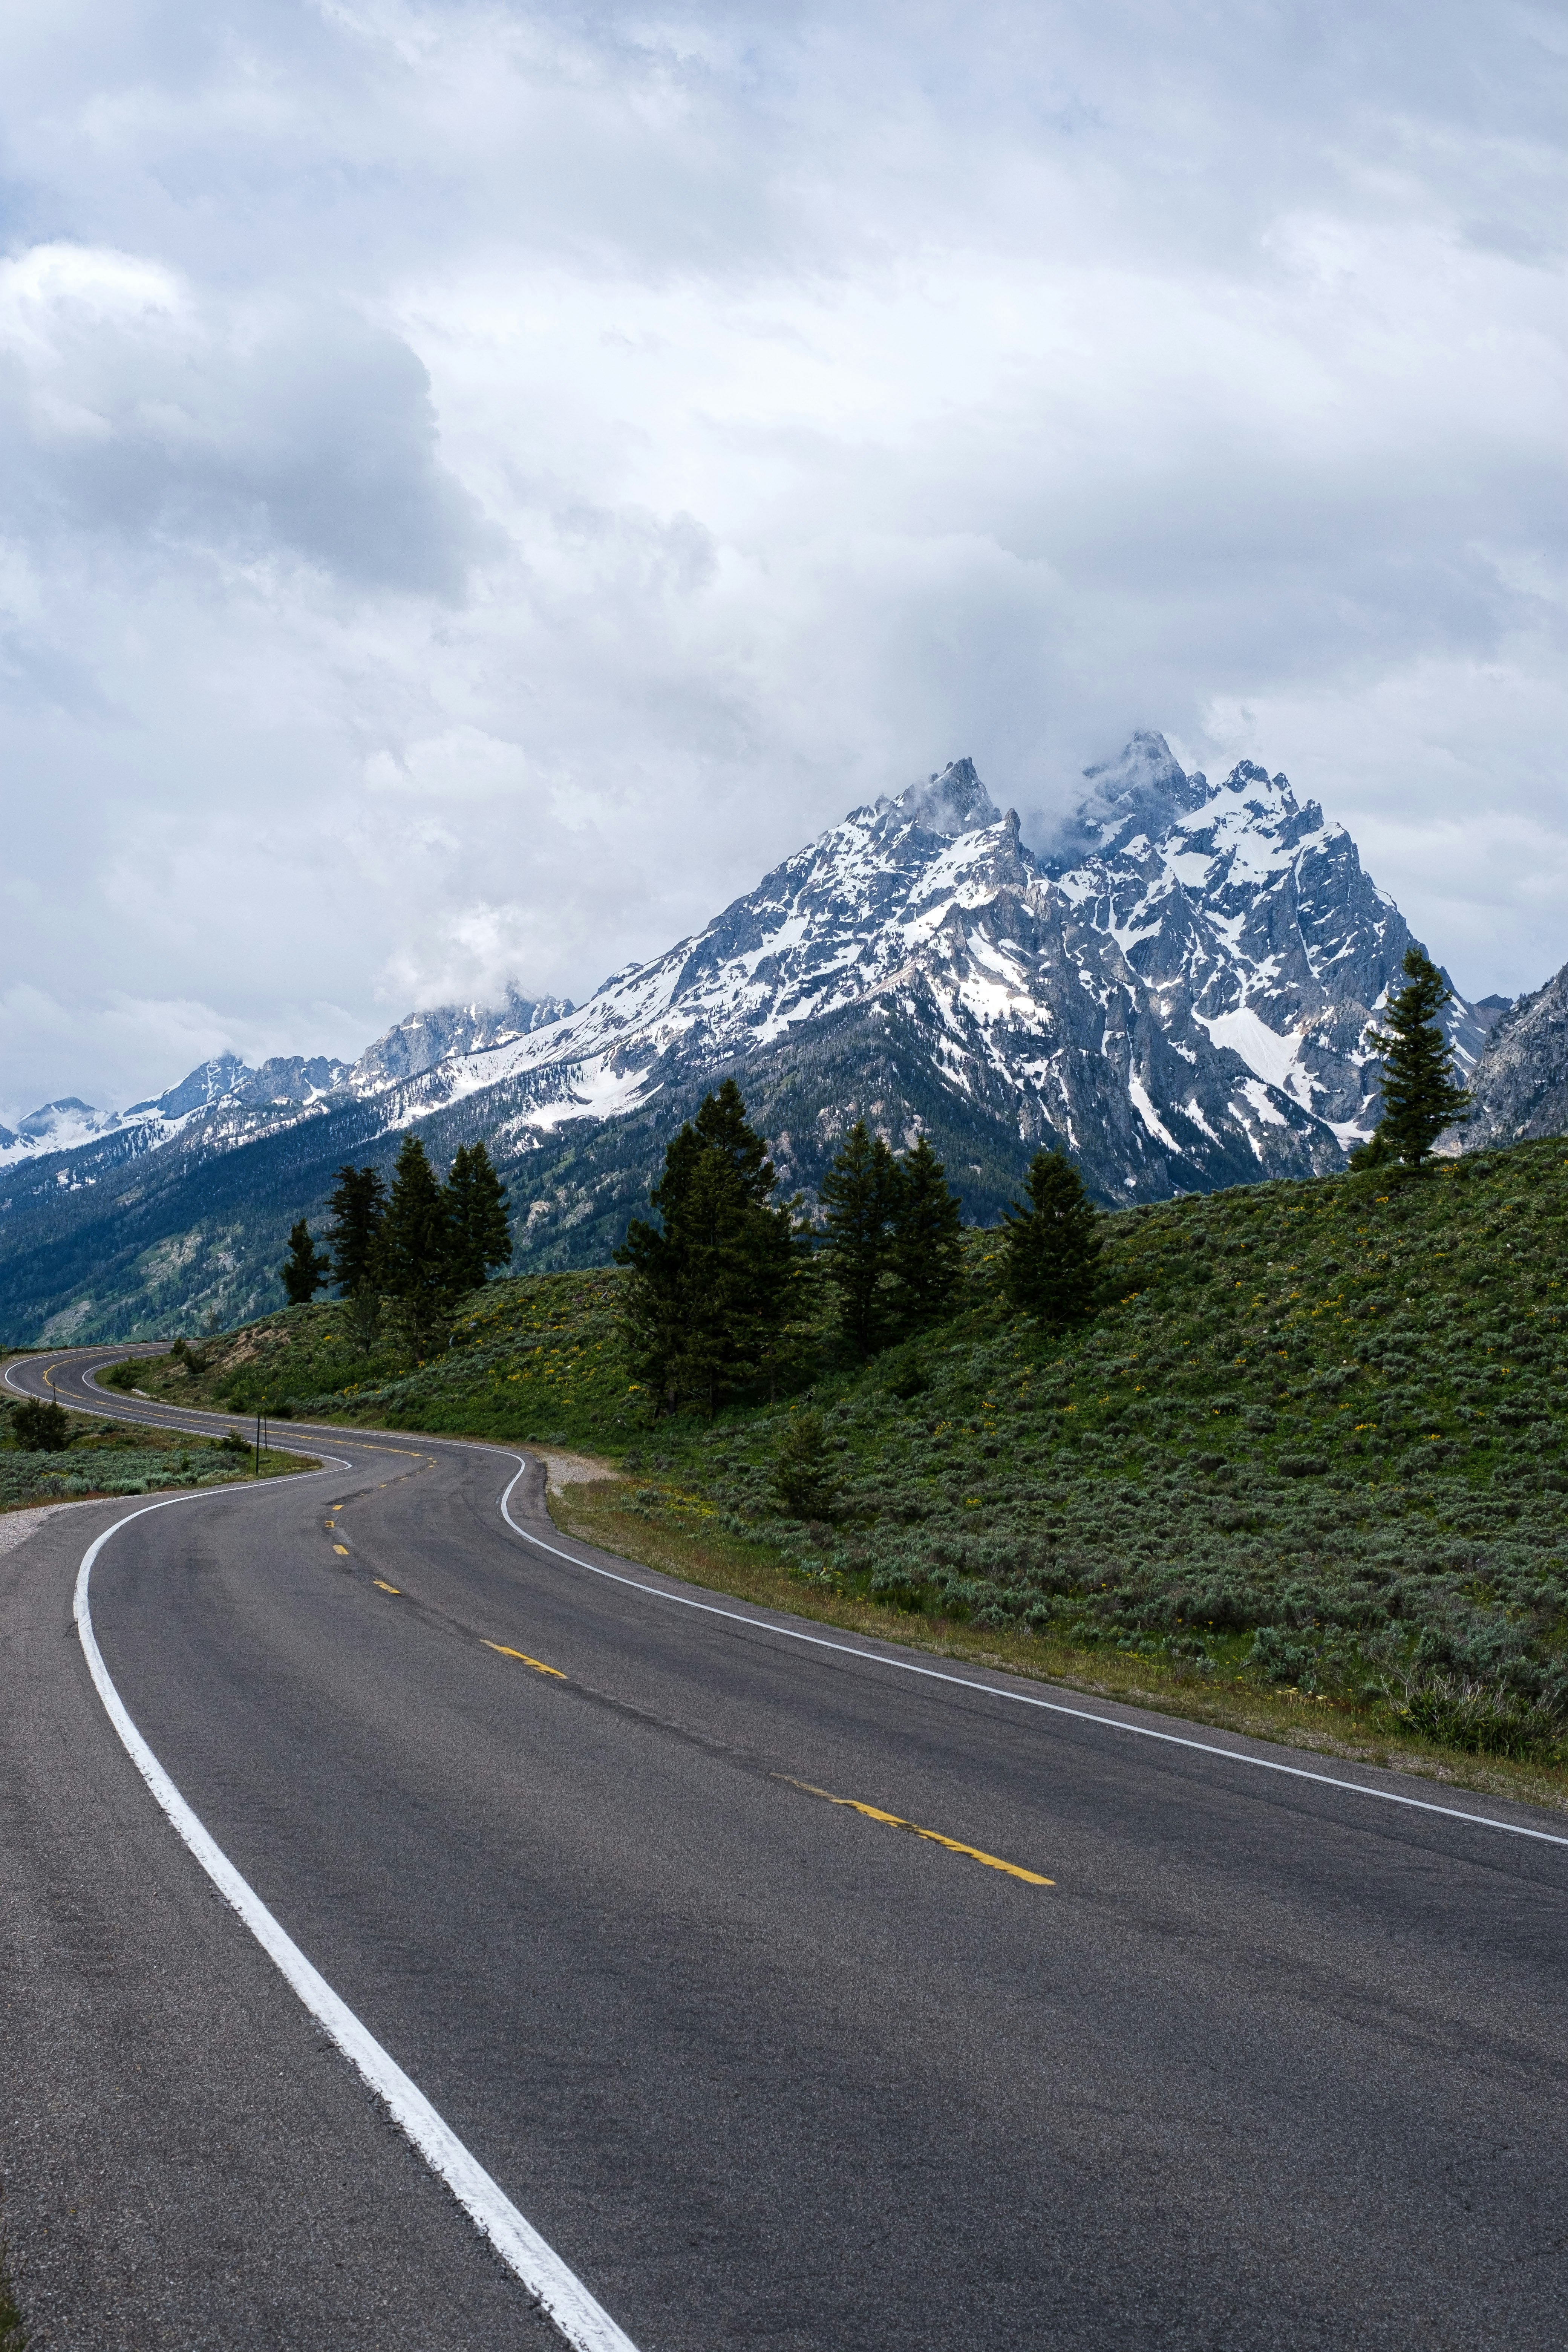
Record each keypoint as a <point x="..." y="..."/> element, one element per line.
<point x="1139" y="2047"/>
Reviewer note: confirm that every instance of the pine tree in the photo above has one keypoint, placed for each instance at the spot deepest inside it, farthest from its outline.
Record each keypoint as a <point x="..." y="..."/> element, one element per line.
<point x="413" y="1249"/>
<point x="713" y="1285"/>
<point x="801" y="1477"/>
<point x="653" y="1301"/>
<point x="477" y="1203"/>
<point x="862" y="1193"/>
<point x="1051" y="1249"/>
<point x="358" y="1206"/>
<point x="1421" y="1096"/>
<point x="305" y="1268"/>
<point x="926" y="1254"/>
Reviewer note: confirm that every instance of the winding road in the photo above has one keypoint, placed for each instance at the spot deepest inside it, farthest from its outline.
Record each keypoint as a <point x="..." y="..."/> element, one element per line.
<point x="1146" y="2041"/>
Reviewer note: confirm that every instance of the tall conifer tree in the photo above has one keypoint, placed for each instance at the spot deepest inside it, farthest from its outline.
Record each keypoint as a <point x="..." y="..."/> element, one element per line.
<point x="305" y="1269"/>
<point x="1421" y="1096"/>
<point x="480" y="1234"/>
<point x="358" y="1206"/>
<point x="1051" y="1248"/>
<point x="926" y="1254"/>
<point x="712" y="1286"/>
<point x="862" y="1191"/>
<point x="413" y="1255"/>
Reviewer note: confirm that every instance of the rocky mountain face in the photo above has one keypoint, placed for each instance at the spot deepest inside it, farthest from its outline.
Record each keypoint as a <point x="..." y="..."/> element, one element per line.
<point x="425" y="1039"/>
<point x="1521" y="1082"/>
<point x="1176" y="989"/>
<point x="1246" y="908"/>
<point x="224" y="1085"/>
<point x="234" y="1103"/>
<point x="1177" y="993"/>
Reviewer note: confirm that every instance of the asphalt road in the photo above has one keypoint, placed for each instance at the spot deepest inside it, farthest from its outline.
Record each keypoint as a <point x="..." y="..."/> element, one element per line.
<point x="1266" y="2062"/>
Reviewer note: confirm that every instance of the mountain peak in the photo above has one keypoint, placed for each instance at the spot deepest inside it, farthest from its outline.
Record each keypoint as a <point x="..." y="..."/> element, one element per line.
<point x="954" y="802"/>
<point x="47" y="1117"/>
<point x="1143" y="790"/>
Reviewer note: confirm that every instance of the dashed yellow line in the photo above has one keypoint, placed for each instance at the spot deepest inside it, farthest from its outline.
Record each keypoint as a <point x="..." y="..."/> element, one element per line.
<point x="343" y="1548"/>
<point x="537" y="1663"/>
<point x="387" y="1588"/>
<point x="895" y="1821"/>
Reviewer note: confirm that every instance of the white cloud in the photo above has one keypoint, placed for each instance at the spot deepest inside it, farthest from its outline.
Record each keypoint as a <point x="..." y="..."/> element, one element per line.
<point x="479" y="482"/>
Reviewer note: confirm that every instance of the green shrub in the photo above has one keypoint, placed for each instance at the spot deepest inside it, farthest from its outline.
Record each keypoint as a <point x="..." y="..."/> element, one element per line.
<point x="41" y="1428"/>
<point x="803" y="1478"/>
<point x="1483" y="1721"/>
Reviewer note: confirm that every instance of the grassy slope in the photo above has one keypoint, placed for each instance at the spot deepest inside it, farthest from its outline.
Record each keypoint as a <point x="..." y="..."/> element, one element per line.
<point x="106" y="1457"/>
<point x="1311" y="1449"/>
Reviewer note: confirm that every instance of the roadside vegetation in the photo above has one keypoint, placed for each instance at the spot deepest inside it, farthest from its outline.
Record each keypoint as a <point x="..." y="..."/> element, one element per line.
<point x="1296" y="1446"/>
<point x="49" y="1456"/>
<point x="1309" y="1446"/>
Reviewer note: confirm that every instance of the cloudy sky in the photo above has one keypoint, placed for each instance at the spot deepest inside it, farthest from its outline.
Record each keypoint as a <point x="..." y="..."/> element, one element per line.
<point x="480" y="483"/>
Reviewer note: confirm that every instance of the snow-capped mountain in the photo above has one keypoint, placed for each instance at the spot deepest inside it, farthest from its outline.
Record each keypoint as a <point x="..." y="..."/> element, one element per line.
<point x="1247" y="907"/>
<point x="1177" y="992"/>
<point x="288" y="1084"/>
<point x="419" y="1042"/>
<point x="55" y="1127"/>
<point x="234" y="1103"/>
<point x="1176" y="988"/>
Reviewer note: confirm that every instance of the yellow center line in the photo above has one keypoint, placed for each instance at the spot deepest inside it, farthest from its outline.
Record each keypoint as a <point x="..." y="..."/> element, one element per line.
<point x="537" y="1663"/>
<point x="894" y="1822"/>
<point x="343" y="1548"/>
<point x="385" y="1588"/>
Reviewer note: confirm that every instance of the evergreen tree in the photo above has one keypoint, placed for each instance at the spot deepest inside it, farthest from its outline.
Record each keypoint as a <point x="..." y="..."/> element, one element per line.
<point x="362" y="1314"/>
<point x="801" y="1477"/>
<point x="712" y="1288"/>
<point x="926" y="1254"/>
<point x="1421" y="1096"/>
<point x="413" y="1249"/>
<point x="862" y="1192"/>
<point x="305" y="1268"/>
<point x="1051" y="1249"/>
<point x="358" y="1206"/>
<point x="653" y="1302"/>
<point x="477" y="1203"/>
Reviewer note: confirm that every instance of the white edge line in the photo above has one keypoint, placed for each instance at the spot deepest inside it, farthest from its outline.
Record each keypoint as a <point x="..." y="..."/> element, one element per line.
<point x="1025" y="1698"/>
<point x="560" y="2294"/>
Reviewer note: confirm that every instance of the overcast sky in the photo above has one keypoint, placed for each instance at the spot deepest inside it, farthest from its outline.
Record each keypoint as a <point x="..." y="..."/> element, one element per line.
<point x="480" y="483"/>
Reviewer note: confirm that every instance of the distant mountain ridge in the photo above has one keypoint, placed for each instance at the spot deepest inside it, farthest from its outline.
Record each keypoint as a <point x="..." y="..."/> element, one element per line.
<point x="1176" y="990"/>
<point x="290" y="1083"/>
<point x="1521" y="1082"/>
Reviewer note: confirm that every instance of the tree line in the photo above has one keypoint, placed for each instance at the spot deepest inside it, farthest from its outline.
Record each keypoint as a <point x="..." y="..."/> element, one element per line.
<point x="421" y="1243"/>
<point x="715" y="1297"/>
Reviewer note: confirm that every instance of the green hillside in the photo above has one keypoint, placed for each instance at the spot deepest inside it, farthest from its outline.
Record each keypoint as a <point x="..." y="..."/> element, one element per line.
<point x="1312" y="1443"/>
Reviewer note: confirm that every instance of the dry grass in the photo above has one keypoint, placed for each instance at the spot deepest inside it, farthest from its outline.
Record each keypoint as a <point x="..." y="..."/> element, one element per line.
<point x="705" y="1555"/>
